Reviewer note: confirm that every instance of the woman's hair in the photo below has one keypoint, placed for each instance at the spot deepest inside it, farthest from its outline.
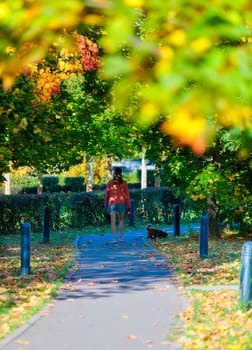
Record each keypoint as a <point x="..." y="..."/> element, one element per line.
<point x="117" y="175"/>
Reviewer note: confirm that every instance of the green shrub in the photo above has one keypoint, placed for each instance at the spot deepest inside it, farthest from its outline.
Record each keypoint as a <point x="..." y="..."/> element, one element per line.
<point x="77" y="210"/>
<point x="154" y="205"/>
<point x="74" y="184"/>
<point x="50" y="183"/>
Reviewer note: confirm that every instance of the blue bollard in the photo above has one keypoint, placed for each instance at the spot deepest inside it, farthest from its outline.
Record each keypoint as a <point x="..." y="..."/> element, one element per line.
<point x="176" y="220"/>
<point x="132" y="212"/>
<point x="204" y="237"/>
<point x="46" y="224"/>
<point x="246" y="275"/>
<point x="25" y="249"/>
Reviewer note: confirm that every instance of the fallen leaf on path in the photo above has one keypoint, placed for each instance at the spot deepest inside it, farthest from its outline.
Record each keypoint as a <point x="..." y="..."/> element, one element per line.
<point x="90" y="284"/>
<point x="163" y="289"/>
<point x="149" y="343"/>
<point x="45" y="313"/>
<point x="22" y="342"/>
<point x="132" y="336"/>
<point x="51" y="305"/>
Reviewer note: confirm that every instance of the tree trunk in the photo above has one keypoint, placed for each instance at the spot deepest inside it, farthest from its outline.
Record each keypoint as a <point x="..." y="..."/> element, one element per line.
<point x="40" y="184"/>
<point x="110" y="173"/>
<point x="212" y="210"/>
<point x="157" y="177"/>
<point x="7" y="184"/>
<point x="89" y="183"/>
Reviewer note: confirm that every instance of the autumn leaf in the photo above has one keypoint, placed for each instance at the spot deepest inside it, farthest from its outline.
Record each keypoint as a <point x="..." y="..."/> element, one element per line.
<point x="22" y="342"/>
<point x="132" y="336"/>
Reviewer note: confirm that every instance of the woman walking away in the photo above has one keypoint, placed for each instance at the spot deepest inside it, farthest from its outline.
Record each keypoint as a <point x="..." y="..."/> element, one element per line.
<point x="117" y="200"/>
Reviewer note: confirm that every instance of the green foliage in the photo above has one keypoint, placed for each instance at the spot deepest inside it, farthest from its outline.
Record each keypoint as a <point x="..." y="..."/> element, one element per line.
<point x="78" y="210"/>
<point x="208" y="301"/>
<point x="74" y="184"/>
<point x="178" y="51"/>
<point x="154" y="205"/>
<point x="220" y="174"/>
<point x="19" y="182"/>
<point x="49" y="182"/>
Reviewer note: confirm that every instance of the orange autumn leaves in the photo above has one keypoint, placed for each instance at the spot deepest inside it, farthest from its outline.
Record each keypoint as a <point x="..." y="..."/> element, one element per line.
<point x="213" y="319"/>
<point x="222" y="267"/>
<point x="20" y="297"/>
<point x="187" y="129"/>
<point x="69" y="63"/>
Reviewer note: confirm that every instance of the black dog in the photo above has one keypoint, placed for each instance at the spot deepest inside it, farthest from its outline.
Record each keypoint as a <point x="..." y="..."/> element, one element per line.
<point x="153" y="233"/>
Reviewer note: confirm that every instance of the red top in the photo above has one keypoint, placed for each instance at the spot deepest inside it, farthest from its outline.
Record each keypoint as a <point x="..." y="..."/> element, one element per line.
<point x="117" y="193"/>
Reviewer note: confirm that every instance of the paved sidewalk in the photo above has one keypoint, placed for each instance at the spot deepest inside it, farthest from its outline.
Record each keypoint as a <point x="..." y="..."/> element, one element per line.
<point x="121" y="297"/>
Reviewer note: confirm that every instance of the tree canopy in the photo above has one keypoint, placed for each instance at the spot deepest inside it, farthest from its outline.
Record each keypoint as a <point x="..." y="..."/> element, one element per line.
<point x="107" y="76"/>
<point x="192" y="60"/>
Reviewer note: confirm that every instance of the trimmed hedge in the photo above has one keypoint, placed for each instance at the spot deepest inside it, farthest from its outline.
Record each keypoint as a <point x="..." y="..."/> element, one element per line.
<point x="51" y="185"/>
<point x="77" y="210"/>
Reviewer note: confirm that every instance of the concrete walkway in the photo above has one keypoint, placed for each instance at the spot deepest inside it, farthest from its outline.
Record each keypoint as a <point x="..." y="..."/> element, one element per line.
<point x="120" y="297"/>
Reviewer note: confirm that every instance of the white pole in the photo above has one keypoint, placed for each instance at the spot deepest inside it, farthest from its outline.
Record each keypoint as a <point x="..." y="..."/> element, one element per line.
<point x="144" y="171"/>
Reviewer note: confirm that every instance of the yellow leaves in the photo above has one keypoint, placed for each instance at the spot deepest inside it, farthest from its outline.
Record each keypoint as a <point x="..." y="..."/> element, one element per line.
<point x="10" y="50"/>
<point x="166" y="58"/>
<point x="23" y="123"/>
<point x="177" y="38"/>
<point x="235" y="115"/>
<point x="4" y="10"/>
<point x="93" y="19"/>
<point x="235" y="347"/>
<point x="134" y="3"/>
<point x="187" y="129"/>
<point x="21" y="342"/>
<point x="215" y="307"/>
<point x="16" y="312"/>
<point x="166" y="53"/>
<point x="132" y="336"/>
<point x="201" y="44"/>
<point x="148" y="113"/>
<point x="23" y="297"/>
<point x="4" y="328"/>
<point x="210" y="304"/>
<point x="196" y="197"/>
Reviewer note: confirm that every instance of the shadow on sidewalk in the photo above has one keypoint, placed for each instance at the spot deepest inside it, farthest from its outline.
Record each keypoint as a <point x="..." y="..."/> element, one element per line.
<point x="104" y="268"/>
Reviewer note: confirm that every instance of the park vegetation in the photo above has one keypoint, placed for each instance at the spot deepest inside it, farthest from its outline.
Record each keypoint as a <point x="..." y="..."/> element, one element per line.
<point x="111" y="80"/>
<point x="171" y="86"/>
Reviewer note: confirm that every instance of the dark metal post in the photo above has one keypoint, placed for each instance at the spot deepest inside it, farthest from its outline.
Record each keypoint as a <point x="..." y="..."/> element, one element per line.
<point x="25" y="248"/>
<point x="204" y="236"/>
<point x="46" y="224"/>
<point x="132" y="212"/>
<point x="176" y="220"/>
<point x="246" y="275"/>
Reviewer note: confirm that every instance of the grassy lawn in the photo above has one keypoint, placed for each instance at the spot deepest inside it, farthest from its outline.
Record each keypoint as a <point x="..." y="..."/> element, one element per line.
<point x="214" y="319"/>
